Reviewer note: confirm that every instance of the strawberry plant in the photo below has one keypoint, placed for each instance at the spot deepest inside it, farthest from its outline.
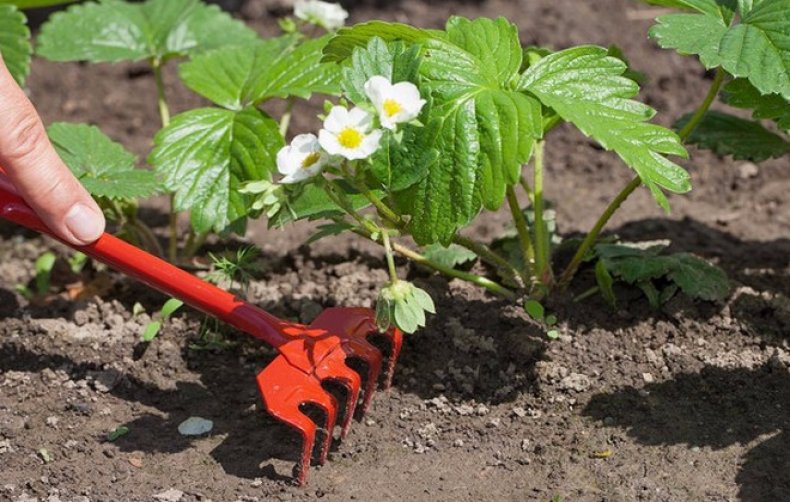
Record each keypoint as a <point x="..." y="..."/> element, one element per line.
<point x="427" y="129"/>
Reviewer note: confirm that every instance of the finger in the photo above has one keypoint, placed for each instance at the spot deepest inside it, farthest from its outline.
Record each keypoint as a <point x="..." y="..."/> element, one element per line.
<point x="38" y="173"/>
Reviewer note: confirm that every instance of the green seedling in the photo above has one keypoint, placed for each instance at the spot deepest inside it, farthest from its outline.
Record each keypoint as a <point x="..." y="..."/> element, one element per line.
<point x="117" y="433"/>
<point x="43" y="278"/>
<point x="153" y="328"/>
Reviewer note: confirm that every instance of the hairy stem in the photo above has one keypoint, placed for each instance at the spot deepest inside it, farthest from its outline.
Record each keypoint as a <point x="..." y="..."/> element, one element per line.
<point x="385" y="237"/>
<point x="164" y="115"/>
<point x="695" y="119"/>
<point x="527" y="249"/>
<point x="416" y="257"/>
<point x="542" y="267"/>
<point x="592" y="236"/>
<point x="527" y="189"/>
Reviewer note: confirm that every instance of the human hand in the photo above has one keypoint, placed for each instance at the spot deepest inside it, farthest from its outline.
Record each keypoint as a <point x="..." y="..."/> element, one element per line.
<point x="38" y="174"/>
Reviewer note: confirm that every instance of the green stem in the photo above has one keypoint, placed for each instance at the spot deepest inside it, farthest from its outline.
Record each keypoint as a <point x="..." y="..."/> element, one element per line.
<point x="149" y="237"/>
<point x="416" y="257"/>
<point x="164" y="115"/>
<point x="522" y="228"/>
<point x="695" y="119"/>
<point x="592" y="236"/>
<point x="194" y="244"/>
<point x="542" y="268"/>
<point x="527" y="189"/>
<point x="285" y="121"/>
<point x="390" y="259"/>
<point x="164" y="111"/>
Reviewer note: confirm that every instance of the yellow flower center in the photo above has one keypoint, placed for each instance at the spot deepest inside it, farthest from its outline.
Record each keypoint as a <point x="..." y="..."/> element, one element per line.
<point x="391" y="107"/>
<point x="350" y="138"/>
<point x="310" y="160"/>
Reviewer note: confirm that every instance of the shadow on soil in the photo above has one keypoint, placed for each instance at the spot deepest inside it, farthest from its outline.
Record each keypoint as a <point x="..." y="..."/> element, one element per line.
<point x="763" y="268"/>
<point x="715" y="408"/>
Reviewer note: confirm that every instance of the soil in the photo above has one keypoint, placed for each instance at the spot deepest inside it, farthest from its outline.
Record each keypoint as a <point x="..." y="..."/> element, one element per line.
<point x="689" y="403"/>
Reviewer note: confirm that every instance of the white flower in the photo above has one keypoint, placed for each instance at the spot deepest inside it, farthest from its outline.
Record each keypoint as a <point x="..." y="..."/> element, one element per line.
<point x="348" y="133"/>
<point x="302" y="159"/>
<point x="328" y="15"/>
<point x="395" y="103"/>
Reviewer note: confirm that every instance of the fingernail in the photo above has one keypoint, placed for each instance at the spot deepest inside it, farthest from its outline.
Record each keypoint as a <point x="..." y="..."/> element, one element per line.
<point x="83" y="223"/>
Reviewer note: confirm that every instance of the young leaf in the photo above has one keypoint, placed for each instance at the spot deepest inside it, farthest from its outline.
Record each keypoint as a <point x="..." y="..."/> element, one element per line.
<point x="311" y="202"/>
<point x="204" y="156"/>
<point x="741" y="94"/>
<point x="760" y="36"/>
<point x="346" y="40"/>
<point x="605" y="283"/>
<point x="239" y="76"/>
<point x="652" y="294"/>
<point x="170" y="307"/>
<point x="450" y="256"/>
<point x="43" y="267"/>
<point x="698" y="278"/>
<point x="105" y="168"/>
<point x="586" y="87"/>
<point x="15" y="42"/>
<point x="727" y="134"/>
<point x="115" y="30"/>
<point x="151" y="330"/>
<point x="535" y="309"/>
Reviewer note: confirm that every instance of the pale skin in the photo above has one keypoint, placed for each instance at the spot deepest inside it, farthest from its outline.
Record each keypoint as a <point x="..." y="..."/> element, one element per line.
<point x="38" y="174"/>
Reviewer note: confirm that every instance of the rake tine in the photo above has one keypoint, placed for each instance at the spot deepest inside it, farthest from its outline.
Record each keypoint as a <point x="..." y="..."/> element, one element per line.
<point x="334" y="368"/>
<point x="284" y="389"/>
<point x="360" y="348"/>
<point x="395" y="336"/>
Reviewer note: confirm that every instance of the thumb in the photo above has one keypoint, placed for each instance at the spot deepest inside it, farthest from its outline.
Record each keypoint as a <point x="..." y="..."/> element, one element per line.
<point x="38" y="174"/>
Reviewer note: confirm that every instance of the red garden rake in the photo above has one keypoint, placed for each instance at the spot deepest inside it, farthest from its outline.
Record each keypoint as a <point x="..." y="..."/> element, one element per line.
<point x="309" y="355"/>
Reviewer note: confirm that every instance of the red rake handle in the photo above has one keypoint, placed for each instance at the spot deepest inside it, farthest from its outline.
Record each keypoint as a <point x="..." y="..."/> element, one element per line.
<point x="156" y="273"/>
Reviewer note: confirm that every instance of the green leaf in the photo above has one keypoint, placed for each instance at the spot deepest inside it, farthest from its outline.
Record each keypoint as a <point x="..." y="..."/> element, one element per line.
<point x="400" y="163"/>
<point x="586" y="87"/>
<point x="451" y="256"/>
<point x="727" y="134"/>
<point x="395" y="61"/>
<point x="114" y="30"/>
<point x="151" y="330"/>
<point x="535" y="309"/>
<point x="757" y="48"/>
<point x="205" y="155"/>
<point x="117" y="433"/>
<point x="342" y="45"/>
<point x="15" y="45"/>
<point x="423" y="299"/>
<point x="239" y="76"/>
<point x="406" y="316"/>
<point x="170" y="307"/>
<point x="741" y="94"/>
<point x="482" y="130"/>
<point x="311" y="202"/>
<point x="722" y="9"/>
<point x="105" y="168"/>
<point x="605" y="282"/>
<point x="691" y="34"/>
<point x="699" y="279"/>
<point x="43" y="267"/>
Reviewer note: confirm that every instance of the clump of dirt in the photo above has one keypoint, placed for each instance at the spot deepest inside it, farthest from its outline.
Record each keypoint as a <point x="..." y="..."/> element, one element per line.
<point x="688" y="403"/>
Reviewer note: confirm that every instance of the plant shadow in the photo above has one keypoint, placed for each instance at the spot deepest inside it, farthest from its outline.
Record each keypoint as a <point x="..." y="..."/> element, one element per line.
<point x="714" y="408"/>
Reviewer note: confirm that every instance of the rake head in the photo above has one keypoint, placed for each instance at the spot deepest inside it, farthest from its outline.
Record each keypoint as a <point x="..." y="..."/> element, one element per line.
<point x="315" y="355"/>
